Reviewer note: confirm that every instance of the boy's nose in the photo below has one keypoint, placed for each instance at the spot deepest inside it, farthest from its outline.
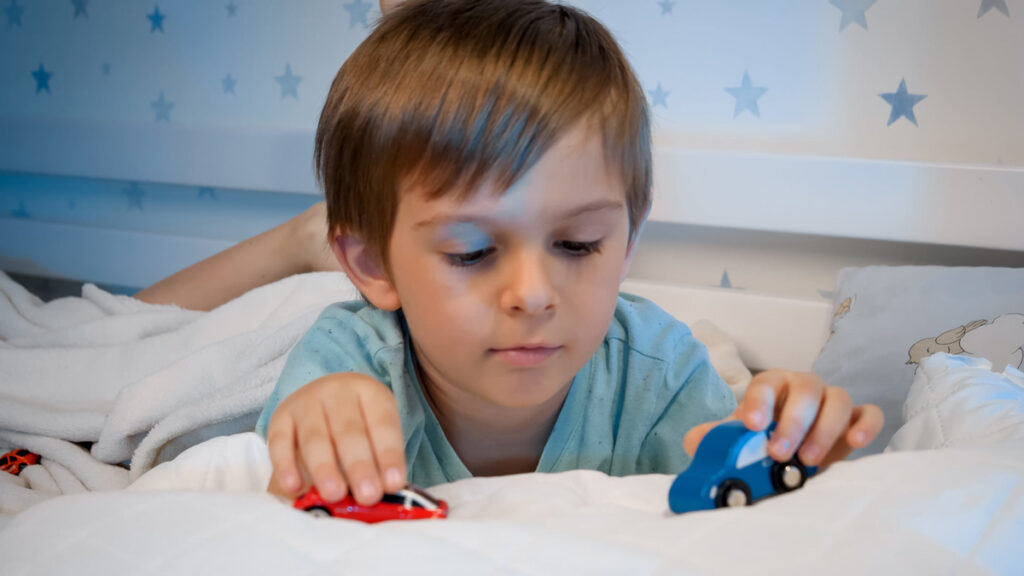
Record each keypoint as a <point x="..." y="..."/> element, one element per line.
<point x="529" y="287"/>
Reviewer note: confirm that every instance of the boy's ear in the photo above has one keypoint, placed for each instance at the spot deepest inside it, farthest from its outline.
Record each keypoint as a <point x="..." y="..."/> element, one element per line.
<point x="362" y="268"/>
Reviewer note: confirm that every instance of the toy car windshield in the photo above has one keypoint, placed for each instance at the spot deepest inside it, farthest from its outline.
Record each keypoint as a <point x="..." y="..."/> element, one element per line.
<point x="419" y="497"/>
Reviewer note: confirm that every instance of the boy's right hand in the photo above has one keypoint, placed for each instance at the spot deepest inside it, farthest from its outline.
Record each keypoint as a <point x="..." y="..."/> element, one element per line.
<point x="342" y="433"/>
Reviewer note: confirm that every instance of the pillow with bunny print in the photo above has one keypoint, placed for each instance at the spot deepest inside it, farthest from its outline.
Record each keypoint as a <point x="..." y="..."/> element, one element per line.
<point x="887" y="318"/>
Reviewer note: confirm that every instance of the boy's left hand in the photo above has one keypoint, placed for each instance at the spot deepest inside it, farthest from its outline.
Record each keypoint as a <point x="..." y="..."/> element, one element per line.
<point x="822" y="417"/>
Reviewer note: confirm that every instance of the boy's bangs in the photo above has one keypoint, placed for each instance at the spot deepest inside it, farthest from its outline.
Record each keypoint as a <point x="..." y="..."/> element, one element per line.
<point x="486" y="107"/>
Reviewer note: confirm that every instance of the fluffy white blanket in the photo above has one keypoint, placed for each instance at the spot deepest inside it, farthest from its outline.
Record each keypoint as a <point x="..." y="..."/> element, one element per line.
<point x="137" y="383"/>
<point x="948" y="497"/>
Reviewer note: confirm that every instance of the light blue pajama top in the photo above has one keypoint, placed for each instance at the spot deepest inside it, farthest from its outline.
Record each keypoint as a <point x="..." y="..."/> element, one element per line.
<point x="626" y="411"/>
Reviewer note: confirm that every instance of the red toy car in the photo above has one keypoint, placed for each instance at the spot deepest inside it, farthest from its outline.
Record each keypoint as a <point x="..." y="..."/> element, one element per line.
<point x="15" y="460"/>
<point x="410" y="503"/>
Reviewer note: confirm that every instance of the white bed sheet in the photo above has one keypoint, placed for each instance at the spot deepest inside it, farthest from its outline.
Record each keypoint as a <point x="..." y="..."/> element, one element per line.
<point x="949" y="502"/>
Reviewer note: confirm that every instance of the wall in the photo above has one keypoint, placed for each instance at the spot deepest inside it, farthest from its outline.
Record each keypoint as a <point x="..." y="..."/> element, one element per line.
<point x="158" y="132"/>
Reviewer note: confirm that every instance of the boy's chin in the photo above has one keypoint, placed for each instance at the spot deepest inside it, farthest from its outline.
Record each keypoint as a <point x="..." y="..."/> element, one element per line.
<point x="526" y="393"/>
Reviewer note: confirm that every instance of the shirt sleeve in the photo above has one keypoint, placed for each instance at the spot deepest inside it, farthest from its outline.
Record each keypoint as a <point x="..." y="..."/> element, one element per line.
<point x="346" y="337"/>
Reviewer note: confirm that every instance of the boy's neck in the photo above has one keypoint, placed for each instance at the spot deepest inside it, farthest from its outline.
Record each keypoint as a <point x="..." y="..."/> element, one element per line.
<point x="494" y="440"/>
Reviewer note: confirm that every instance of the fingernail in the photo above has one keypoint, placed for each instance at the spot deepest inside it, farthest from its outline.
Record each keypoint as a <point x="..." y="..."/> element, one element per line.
<point x="858" y="438"/>
<point x="810" y="454"/>
<point x="332" y="491"/>
<point x="366" y="489"/>
<point x="781" y="446"/>
<point x="757" y="418"/>
<point x="290" y="482"/>
<point x="394" y="477"/>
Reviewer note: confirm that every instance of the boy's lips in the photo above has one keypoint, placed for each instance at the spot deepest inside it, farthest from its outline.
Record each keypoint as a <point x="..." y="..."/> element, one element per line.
<point x="526" y="355"/>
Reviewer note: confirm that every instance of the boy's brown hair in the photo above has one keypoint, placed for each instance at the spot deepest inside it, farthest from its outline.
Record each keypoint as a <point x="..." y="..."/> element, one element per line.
<point x="455" y="93"/>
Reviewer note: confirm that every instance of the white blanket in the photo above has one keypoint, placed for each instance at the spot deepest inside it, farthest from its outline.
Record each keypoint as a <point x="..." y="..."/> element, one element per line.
<point x="137" y="382"/>
<point x="948" y="498"/>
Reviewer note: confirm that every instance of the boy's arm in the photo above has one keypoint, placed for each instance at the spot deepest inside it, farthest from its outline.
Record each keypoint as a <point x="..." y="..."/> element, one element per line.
<point x="331" y="419"/>
<point x="296" y="246"/>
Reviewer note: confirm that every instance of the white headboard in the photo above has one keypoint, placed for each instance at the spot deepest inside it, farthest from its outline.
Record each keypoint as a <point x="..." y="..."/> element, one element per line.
<point x="769" y="331"/>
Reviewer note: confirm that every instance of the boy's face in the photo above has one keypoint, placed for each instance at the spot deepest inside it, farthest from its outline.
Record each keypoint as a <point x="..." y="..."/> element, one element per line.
<point x="507" y="296"/>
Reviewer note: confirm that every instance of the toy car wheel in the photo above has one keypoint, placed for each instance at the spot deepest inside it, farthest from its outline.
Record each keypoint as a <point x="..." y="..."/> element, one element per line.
<point x="788" y="476"/>
<point x="319" y="512"/>
<point x="732" y="493"/>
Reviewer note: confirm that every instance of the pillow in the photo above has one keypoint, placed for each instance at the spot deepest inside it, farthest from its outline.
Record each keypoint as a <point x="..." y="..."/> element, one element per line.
<point x="887" y="319"/>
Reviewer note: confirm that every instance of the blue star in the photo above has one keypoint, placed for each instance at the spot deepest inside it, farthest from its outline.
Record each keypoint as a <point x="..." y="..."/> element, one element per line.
<point x="987" y="5"/>
<point x="156" y="20"/>
<point x="14" y="14"/>
<point x="659" y="96"/>
<point x="134" y="194"/>
<point x="746" y="96"/>
<point x="106" y="69"/>
<point x="42" y="79"/>
<point x="162" y="107"/>
<point x="21" y="212"/>
<point x="289" y="82"/>
<point x="357" y="11"/>
<point x="229" y="84"/>
<point x="725" y="283"/>
<point x="80" y="6"/>
<point x="853" y="11"/>
<point x="208" y="192"/>
<point x="666" y="6"/>
<point x="902" y="103"/>
<point x="231" y="9"/>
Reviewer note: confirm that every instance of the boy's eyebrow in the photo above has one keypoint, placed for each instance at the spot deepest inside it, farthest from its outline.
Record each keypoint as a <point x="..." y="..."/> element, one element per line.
<point x="595" y="206"/>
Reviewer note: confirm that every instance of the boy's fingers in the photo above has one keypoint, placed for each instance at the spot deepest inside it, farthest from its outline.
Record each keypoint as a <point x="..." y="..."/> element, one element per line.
<point x="693" y="438"/>
<point x="758" y="406"/>
<point x="832" y="420"/>
<point x="352" y="446"/>
<point x="319" y="456"/>
<point x="384" y="426"/>
<point x="755" y="410"/>
<point x="286" y="479"/>
<point x="865" y="423"/>
<point x="804" y="394"/>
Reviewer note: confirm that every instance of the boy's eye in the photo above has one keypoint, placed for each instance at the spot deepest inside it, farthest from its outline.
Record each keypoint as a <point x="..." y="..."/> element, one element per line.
<point x="468" y="258"/>
<point x="579" y="248"/>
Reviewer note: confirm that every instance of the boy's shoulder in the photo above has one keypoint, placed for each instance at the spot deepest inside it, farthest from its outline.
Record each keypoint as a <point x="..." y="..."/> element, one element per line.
<point x="645" y="327"/>
<point x="357" y="321"/>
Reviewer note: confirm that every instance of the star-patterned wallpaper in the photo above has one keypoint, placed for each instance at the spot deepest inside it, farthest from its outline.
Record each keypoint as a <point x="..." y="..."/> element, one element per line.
<point x="932" y="81"/>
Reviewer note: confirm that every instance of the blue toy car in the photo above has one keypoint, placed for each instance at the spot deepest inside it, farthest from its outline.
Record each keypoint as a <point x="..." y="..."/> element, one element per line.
<point x="732" y="468"/>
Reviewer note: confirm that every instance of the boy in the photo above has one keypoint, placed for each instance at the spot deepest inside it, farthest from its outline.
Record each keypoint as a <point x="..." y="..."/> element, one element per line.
<point x="486" y="165"/>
